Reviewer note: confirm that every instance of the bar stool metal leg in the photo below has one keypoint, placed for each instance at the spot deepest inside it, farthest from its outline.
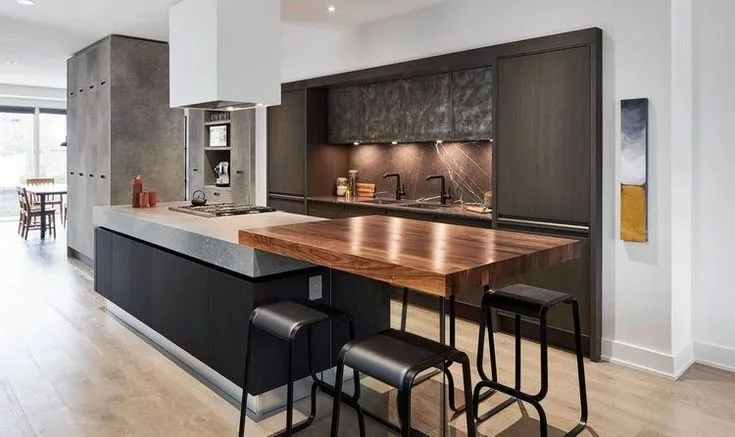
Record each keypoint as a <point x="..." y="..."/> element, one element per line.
<point x="244" y="405"/>
<point x="404" y="309"/>
<point x="337" y="399"/>
<point x="582" y="424"/>
<point x="518" y="351"/>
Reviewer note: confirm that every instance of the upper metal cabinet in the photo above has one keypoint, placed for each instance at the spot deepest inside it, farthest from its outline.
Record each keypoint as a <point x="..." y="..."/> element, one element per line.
<point x="382" y="112"/>
<point x="345" y="107"/>
<point x="426" y="108"/>
<point x="472" y="104"/>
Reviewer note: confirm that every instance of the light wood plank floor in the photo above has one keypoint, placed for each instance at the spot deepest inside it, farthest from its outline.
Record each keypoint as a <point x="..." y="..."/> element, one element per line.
<point x="69" y="369"/>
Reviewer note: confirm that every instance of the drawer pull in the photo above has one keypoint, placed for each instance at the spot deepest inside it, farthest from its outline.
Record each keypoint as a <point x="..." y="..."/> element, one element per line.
<point x="239" y="172"/>
<point x="71" y="173"/>
<point x="102" y="176"/>
<point x="196" y="169"/>
<point x="91" y="175"/>
<point x="216" y="193"/>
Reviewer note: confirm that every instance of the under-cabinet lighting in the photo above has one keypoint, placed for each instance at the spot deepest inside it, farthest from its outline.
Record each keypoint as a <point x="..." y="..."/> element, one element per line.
<point x="394" y="142"/>
<point x="356" y="143"/>
<point x="331" y="9"/>
<point x="439" y="141"/>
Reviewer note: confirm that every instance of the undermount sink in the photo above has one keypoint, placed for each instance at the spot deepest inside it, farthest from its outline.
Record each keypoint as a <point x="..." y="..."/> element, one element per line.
<point x="381" y="201"/>
<point x="436" y="206"/>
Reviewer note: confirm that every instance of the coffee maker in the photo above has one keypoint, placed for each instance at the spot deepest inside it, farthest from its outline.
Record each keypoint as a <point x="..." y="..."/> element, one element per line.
<point x="222" y="171"/>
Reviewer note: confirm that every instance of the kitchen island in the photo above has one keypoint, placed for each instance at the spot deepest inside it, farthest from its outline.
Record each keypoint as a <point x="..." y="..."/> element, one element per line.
<point x="186" y="284"/>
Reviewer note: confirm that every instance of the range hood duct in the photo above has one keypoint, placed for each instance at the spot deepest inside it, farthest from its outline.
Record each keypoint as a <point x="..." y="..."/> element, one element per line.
<point x="225" y="54"/>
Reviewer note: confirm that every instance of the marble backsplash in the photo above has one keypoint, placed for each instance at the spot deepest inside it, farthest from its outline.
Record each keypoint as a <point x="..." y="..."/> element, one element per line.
<point x="466" y="167"/>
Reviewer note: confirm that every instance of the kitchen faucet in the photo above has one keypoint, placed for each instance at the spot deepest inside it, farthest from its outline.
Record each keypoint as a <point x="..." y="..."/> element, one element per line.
<point x="443" y="195"/>
<point x="400" y="189"/>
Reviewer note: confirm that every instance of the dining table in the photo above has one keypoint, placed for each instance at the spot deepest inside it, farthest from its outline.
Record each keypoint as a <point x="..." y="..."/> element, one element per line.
<point x="42" y="192"/>
<point x="436" y="259"/>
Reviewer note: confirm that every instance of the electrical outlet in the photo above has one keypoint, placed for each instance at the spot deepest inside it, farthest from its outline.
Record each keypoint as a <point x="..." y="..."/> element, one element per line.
<point x="315" y="287"/>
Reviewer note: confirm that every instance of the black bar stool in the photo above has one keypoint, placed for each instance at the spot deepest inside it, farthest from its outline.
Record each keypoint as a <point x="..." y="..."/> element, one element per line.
<point x="285" y="320"/>
<point x="395" y="358"/>
<point x="534" y="302"/>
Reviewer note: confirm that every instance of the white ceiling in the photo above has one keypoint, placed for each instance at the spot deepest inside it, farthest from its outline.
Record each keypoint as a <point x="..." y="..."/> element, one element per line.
<point x="40" y="38"/>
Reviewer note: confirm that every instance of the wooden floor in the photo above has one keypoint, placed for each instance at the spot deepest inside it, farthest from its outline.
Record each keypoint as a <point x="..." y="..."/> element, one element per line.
<point x="69" y="369"/>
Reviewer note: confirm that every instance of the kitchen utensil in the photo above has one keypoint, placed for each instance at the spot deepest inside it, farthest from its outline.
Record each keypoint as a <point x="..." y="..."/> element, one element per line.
<point x="198" y="198"/>
<point x="222" y="170"/>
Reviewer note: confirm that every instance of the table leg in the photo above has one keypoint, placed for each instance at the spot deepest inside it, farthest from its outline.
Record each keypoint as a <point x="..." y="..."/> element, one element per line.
<point x="443" y="340"/>
<point x="43" y="216"/>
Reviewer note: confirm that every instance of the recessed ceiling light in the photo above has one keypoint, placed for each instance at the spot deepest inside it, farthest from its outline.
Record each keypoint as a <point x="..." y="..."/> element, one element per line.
<point x="11" y="62"/>
<point x="27" y="2"/>
<point x="331" y="9"/>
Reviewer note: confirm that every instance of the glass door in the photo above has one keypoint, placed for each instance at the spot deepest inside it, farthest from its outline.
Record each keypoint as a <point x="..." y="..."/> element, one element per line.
<point x="16" y="157"/>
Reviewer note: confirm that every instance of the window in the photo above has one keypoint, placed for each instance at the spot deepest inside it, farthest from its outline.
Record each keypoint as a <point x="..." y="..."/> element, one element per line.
<point x="52" y="156"/>
<point x="23" y="155"/>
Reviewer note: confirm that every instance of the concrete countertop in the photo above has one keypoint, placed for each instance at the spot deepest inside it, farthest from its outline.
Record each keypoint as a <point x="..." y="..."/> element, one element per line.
<point x="211" y="240"/>
<point x="455" y="210"/>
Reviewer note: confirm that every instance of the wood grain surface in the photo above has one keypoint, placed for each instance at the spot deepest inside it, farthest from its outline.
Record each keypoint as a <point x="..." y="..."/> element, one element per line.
<point x="434" y="258"/>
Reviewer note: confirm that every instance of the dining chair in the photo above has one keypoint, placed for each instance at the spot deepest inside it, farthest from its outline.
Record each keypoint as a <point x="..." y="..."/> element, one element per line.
<point x="31" y="216"/>
<point x="56" y="200"/>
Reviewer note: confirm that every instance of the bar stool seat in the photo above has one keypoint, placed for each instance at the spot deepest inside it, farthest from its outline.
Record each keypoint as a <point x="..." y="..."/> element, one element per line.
<point x="527" y="300"/>
<point x="284" y="320"/>
<point x="396" y="358"/>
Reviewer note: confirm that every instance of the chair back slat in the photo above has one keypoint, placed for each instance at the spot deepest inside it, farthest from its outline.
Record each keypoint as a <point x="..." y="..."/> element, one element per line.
<point x="40" y="181"/>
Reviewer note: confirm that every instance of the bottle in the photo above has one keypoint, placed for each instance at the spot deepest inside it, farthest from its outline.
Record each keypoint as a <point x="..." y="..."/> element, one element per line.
<point x="137" y="189"/>
<point x="352" y="177"/>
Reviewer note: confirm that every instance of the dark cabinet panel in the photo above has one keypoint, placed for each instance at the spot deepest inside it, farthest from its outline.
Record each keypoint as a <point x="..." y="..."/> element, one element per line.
<point x="179" y="301"/>
<point x="472" y="104"/>
<point x="131" y="277"/>
<point x="543" y="138"/>
<point x="103" y="262"/>
<point x="382" y="112"/>
<point x="327" y="210"/>
<point x="230" y="305"/>
<point x="344" y="114"/>
<point x="295" y="206"/>
<point x="287" y="144"/>
<point x="426" y="108"/>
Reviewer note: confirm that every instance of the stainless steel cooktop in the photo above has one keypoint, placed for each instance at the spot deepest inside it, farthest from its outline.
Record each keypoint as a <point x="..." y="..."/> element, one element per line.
<point x="221" y="209"/>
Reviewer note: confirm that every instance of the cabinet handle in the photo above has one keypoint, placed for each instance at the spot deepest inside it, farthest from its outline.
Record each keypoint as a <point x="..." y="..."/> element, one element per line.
<point x="103" y="176"/>
<point x="91" y="175"/>
<point x="239" y="172"/>
<point x="216" y="193"/>
<point x="81" y="174"/>
<point x="91" y="87"/>
<point x="103" y="83"/>
<point x="81" y="90"/>
<point x="71" y="173"/>
<point x="72" y="93"/>
<point x="196" y="169"/>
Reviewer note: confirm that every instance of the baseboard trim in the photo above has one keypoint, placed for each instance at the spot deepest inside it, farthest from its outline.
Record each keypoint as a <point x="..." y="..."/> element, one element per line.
<point x="648" y="360"/>
<point x="714" y="355"/>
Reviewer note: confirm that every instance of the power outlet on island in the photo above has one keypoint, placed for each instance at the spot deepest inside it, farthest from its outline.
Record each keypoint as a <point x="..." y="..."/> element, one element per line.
<point x="315" y="287"/>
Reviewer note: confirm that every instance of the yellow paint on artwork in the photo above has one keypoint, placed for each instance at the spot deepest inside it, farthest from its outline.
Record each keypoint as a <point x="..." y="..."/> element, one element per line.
<point x="633" y="212"/>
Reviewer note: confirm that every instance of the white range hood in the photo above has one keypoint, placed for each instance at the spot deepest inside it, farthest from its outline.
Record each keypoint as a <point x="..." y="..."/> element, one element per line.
<point x="225" y="54"/>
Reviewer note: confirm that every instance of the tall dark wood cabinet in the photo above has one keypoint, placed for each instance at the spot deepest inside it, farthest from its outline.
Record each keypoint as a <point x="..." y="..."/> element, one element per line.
<point x="544" y="136"/>
<point x="287" y="145"/>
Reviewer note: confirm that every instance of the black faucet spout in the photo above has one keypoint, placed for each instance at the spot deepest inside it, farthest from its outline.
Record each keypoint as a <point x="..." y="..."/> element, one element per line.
<point x="443" y="195"/>
<point x="400" y="189"/>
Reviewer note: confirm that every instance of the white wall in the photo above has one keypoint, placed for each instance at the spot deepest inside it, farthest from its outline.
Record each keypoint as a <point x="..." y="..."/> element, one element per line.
<point x="714" y="181"/>
<point x="637" y="303"/>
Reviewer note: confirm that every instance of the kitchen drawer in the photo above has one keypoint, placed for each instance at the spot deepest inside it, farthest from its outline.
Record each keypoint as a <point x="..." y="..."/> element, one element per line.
<point x="218" y="195"/>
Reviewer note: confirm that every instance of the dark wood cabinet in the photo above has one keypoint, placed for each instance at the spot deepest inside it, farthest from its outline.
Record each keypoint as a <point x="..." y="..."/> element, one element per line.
<point x="287" y="144"/>
<point x="327" y="210"/>
<point x="293" y="205"/>
<point x="344" y="114"/>
<point x="426" y="108"/>
<point x="382" y="112"/>
<point x="543" y="139"/>
<point x="472" y="104"/>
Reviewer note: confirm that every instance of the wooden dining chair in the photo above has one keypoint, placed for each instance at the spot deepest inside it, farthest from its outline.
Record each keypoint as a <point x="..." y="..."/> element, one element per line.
<point x="21" y="211"/>
<point x="56" y="200"/>
<point x="31" y="216"/>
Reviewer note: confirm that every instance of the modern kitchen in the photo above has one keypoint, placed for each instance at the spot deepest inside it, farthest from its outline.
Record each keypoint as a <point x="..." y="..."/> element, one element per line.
<point x="244" y="220"/>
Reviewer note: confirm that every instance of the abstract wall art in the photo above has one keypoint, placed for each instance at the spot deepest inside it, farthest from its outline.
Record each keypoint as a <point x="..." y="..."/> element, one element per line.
<point x="634" y="170"/>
